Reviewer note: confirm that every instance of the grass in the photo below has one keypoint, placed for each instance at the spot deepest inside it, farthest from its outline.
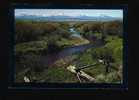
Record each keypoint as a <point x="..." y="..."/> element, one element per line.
<point x="35" y="47"/>
<point x="72" y="42"/>
<point x="114" y="44"/>
<point x="109" y="78"/>
<point x="58" y="75"/>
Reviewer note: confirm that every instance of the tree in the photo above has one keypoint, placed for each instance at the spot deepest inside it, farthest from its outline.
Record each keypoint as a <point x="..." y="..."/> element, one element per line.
<point x="106" y="54"/>
<point x="114" y="28"/>
<point x="25" y="31"/>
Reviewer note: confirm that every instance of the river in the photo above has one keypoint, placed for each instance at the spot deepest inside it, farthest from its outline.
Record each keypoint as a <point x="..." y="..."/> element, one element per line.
<point x="50" y="59"/>
<point x="75" y="33"/>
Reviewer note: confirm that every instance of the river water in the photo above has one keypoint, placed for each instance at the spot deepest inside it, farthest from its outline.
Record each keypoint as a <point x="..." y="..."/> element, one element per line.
<point x="75" y="33"/>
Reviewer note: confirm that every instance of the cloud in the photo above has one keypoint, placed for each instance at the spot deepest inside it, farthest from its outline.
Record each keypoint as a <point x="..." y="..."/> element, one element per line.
<point x="69" y="12"/>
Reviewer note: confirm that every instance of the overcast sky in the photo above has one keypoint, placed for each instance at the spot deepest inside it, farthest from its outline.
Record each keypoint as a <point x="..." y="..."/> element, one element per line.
<point x="69" y="12"/>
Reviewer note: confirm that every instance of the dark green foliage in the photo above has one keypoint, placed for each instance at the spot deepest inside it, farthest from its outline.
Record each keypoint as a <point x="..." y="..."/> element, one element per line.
<point x="32" y="31"/>
<point x="92" y="27"/>
<point x="25" y="31"/>
<point x="103" y="53"/>
<point x="111" y="77"/>
<point x="35" y="47"/>
<point x="111" y="54"/>
<point x="58" y="75"/>
<point x="114" y="28"/>
<point x="87" y="29"/>
<point x="64" y="25"/>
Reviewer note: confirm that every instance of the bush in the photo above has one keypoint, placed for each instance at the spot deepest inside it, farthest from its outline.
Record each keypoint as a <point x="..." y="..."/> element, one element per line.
<point x="114" y="28"/>
<point x="102" y="53"/>
<point x="92" y="27"/>
<point x="35" y="47"/>
<point x="25" y="32"/>
<point x="116" y="45"/>
<point x="58" y="75"/>
<point x="63" y="33"/>
<point x="109" y="78"/>
<point x="111" y="52"/>
<point x="64" y="26"/>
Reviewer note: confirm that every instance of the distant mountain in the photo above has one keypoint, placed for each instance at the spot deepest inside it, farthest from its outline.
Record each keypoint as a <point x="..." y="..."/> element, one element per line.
<point x="67" y="18"/>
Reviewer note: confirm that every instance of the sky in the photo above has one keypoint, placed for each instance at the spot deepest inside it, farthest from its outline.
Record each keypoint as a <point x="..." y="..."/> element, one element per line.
<point x="70" y="12"/>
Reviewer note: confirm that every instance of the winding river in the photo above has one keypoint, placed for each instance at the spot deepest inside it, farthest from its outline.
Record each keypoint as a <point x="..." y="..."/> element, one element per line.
<point x="67" y="52"/>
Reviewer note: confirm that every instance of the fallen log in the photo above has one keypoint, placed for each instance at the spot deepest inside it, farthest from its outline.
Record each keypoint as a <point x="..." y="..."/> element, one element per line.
<point x="72" y="69"/>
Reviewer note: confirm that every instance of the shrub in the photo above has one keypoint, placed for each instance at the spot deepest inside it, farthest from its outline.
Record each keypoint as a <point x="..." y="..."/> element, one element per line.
<point x="28" y="31"/>
<point x="109" y="78"/>
<point x="114" y="28"/>
<point x="35" y="47"/>
<point x="58" y="75"/>
<point x="92" y="27"/>
<point x="25" y="31"/>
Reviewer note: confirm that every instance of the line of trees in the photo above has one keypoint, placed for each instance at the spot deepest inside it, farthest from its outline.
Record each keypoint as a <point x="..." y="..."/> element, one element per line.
<point x="31" y="31"/>
<point x="108" y="28"/>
